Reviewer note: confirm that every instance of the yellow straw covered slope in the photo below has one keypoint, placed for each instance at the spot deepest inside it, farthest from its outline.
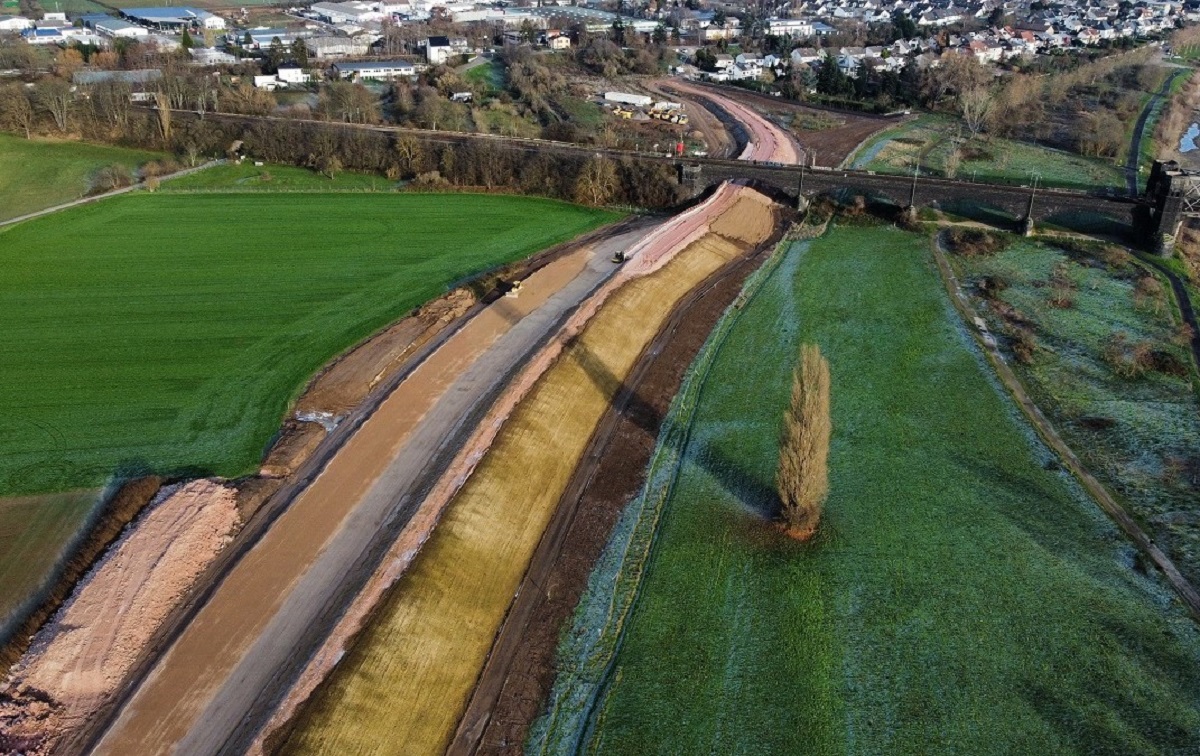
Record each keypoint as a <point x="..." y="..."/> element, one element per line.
<point x="403" y="687"/>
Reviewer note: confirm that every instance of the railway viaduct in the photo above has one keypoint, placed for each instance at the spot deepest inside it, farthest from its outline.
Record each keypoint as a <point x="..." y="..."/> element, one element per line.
<point x="1154" y="217"/>
<point x="1171" y="195"/>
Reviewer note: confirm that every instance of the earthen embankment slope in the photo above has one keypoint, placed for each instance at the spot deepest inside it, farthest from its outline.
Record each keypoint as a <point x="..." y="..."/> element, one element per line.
<point x="252" y="627"/>
<point x="428" y="643"/>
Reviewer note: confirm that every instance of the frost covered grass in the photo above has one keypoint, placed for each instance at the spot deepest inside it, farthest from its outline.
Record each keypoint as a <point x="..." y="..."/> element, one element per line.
<point x="169" y="333"/>
<point x="1140" y="435"/>
<point x="964" y="596"/>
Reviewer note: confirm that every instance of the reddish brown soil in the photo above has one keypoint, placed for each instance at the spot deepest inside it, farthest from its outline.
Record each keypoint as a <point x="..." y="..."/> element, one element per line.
<point x="514" y="684"/>
<point x="831" y="145"/>
<point x="121" y="509"/>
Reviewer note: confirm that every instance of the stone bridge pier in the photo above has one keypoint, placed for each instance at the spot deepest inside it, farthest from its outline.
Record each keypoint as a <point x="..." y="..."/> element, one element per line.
<point x="1172" y="194"/>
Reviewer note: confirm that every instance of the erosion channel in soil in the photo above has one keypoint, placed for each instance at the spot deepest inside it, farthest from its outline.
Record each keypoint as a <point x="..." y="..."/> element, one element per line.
<point x="512" y="690"/>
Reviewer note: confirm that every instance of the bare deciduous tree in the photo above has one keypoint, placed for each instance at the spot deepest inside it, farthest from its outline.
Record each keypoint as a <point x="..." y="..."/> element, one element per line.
<point x="975" y="105"/>
<point x="16" y="110"/>
<point x="597" y="182"/>
<point x="408" y="154"/>
<point x="55" y="97"/>
<point x="802" y="478"/>
<point x="110" y="103"/>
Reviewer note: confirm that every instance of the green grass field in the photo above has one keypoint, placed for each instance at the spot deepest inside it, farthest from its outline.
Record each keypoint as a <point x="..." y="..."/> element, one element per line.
<point x="169" y="332"/>
<point x="963" y="596"/>
<point x="930" y="138"/>
<point x="275" y="178"/>
<point x="1137" y="434"/>
<point x="35" y="531"/>
<point x="490" y="75"/>
<point x="36" y="174"/>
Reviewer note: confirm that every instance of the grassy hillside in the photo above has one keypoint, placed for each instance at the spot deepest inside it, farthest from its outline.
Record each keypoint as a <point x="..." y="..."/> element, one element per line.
<point x="247" y="177"/>
<point x="36" y="174"/>
<point x="963" y="595"/>
<point x="169" y="332"/>
<point x="34" y="531"/>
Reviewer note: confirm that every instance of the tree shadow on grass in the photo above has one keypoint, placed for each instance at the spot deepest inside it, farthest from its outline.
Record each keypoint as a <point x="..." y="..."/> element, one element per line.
<point x="1109" y="717"/>
<point x="731" y="474"/>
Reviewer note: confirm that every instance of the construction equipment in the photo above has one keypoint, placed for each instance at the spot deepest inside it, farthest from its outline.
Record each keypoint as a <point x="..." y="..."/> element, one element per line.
<point x="664" y="112"/>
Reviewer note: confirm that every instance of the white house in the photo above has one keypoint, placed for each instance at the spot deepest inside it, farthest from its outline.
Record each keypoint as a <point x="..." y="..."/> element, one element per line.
<point x="336" y="47"/>
<point x="117" y="28"/>
<point x="292" y="75"/>
<point x="806" y="55"/>
<point x="347" y="13"/>
<point x="379" y="70"/>
<point x="174" y="18"/>
<point x="14" y="23"/>
<point x="795" y="27"/>
<point x="438" y="50"/>
<point x="43" y="36"/>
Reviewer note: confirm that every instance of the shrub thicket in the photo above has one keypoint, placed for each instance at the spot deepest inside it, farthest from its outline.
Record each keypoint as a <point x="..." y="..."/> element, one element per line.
<point x="975" y="242"/>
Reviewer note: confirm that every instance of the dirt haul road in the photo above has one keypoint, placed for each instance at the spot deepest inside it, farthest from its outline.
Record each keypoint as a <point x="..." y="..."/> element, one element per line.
<point x="428" y="642"/>
<point x="275" y="605"/>
<point x="767" y="142"/>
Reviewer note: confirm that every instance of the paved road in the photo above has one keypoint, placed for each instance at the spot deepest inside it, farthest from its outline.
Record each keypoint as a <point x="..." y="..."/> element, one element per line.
<point x="212" y="688"/>
<point x="1135" y="144"/>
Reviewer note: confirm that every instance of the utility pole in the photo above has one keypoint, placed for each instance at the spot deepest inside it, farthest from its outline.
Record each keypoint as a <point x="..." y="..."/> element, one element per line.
<point x="1027" y="224"/>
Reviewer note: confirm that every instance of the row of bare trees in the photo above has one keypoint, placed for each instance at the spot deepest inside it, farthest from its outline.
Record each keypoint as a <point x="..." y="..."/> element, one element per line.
<point x="1083" y="106"/>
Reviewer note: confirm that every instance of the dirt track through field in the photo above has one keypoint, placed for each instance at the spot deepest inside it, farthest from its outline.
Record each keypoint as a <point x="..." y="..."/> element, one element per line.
<point x="272" y="607"/>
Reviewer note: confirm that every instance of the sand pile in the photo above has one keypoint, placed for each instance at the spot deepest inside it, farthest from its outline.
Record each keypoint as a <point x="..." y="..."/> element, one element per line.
<point x="79" y="658"/>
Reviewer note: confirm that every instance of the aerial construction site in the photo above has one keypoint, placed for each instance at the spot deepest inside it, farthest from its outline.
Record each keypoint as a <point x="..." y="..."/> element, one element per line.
<point x="440" y="468"/>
